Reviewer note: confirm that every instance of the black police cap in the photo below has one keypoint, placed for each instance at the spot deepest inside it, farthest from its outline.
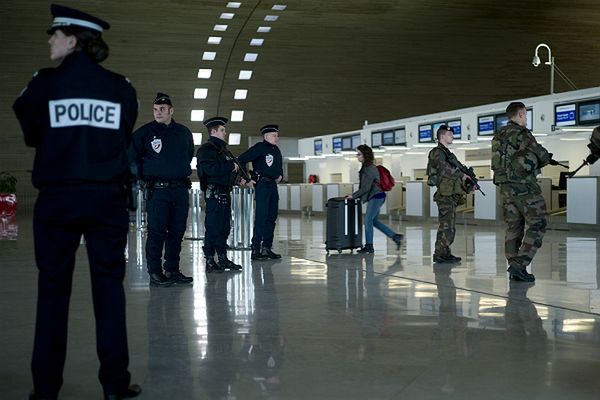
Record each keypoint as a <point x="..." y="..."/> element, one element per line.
<point x="162" y="98"/>
<point x="269" y="128"/>
<point x="445" y="128"/>
<point x="215" y="121"/>
<point x="66" y="16"/>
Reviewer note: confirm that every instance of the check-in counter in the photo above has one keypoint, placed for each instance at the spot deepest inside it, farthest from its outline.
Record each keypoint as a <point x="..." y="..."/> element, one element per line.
<point x="284" y="198"/>
<point x="417" y="199"/>
<point x="582" y="199"/>
<point x="393" y="200"/>
<point x="489" y="206"/>
<point x="319" y="197"/>
<point x="300" y="196"/>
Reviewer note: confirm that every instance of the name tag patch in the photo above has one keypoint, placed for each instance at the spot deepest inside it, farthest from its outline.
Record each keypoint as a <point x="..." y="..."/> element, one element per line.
<point x="84" y="112"/>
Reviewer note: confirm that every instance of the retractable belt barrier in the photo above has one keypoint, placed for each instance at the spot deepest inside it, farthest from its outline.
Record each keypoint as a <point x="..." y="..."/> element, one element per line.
<point x="242" y="218"/>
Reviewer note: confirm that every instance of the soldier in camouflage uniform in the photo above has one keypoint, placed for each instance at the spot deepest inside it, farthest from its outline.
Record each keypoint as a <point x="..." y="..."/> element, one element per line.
<point x="516" y="160"/>
<point x="450" y="182"/>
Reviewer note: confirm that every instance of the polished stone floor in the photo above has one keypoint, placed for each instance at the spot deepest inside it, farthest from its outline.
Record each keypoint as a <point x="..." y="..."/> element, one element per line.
<point x="315" y="326"/>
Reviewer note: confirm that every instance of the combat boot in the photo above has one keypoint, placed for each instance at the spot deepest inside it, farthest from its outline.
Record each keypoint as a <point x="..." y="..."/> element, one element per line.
<point x="158" y="279"/>
<point x="212" y="266"/>
<point x="227" y="264"/>
<point x="520" y="274"/>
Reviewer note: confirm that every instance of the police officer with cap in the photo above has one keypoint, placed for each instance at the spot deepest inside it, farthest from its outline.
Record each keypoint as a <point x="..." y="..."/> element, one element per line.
<point x="217" y="171"/>
<point x="162" y="151"/>
<point x="267" y="163"/>
<point x="79" y="117"/>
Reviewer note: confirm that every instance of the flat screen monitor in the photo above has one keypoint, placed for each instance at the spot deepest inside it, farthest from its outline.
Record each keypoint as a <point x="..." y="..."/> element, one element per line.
<point x="485" y="125"/>
<point x="457" y="128"/>
<point x="425" y="134"/>
<point x="500" y="120"/>
<point x="337" y="144"/>
<point x="355" y="141"/>
<point x="589" y="112"/>
<point x="400" y="136"/>
<point x="318" y="147"/>
<point x="347" y="143"/>
<point x="530" y="120"/>
<point x="388" y="138"/>
<point x="565" y="115"/>
<point x="376" y="139"/>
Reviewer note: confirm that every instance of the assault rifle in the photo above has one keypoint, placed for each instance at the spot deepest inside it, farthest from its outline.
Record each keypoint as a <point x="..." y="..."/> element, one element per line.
<point x="471" y="181"/>
<point x="241" y="169"/>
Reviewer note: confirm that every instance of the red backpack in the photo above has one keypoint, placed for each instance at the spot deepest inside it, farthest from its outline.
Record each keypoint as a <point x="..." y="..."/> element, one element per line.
<point x="386" y="180"/>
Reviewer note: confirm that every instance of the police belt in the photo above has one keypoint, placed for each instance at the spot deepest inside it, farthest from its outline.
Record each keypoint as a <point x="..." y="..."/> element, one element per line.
<point x="213" y="189"/>
<point x="266" y="179"/>
<point x="168" y="184"/>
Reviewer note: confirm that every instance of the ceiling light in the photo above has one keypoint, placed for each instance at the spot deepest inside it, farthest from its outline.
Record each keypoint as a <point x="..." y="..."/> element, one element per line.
<point x="425" y="145"/>
<point x="194" y="163"/>
<point x="540" y="134"/>
<point x="227" y="15"/>
<point x="250" y="57"/>
<point x="296" y="158"/>
<point x="200" y="93"/>
<point x="240" y="94"/>
<point x="485" y="138"/>
<point x="575" y="129"/>
<point x="234" y="4"/>
<point x="234" y="139"/>
<point x="263" y="29"/>
<point x="220" y="28"/>
<point x="197" y="115"/>
<point x="279" y="7"/>
<point x="209" y="55"/>
<point x="214" y="39"/>
<point x="257" y="42"/>
<point x="237" y="116"/>
<point x="197" y="138"/>
<point x="245" y="75"/>
<point x="461" y="142"/>
<point x="204" y="73"/>
<point x="271" y="18"/>
<point x="572" y="139"/>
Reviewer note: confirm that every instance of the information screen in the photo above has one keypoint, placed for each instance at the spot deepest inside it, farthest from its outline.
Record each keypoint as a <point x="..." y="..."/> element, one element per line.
<point x="318" y="147"/>
<point x="457" y="128"/>
<point x="355" y="142"/>
<point x="337" y="145"/>
<point x="565" y="115"/>
<point x="376" y="139"/>
<point x="589" y="112"/>
<point x="347" y="143"/>
<point x="485" y="125"/>
<point x="425" y="133"/>
<point x="400" y="136"/>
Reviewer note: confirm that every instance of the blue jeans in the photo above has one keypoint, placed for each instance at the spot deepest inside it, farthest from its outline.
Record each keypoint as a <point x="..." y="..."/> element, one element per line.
<point x="371" y="220"/>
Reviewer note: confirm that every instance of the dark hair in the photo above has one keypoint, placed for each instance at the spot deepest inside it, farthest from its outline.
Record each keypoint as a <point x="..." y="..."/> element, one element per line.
<point x="513" y="109"/>
<point x="367" y="152"/>
<point x="439" y="133"/>
<point x="90" y="42"/>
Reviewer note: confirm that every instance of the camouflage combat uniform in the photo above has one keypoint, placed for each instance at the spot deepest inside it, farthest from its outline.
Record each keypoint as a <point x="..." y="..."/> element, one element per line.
<point x="448" y="196"/>
<point x="516" y="160"/>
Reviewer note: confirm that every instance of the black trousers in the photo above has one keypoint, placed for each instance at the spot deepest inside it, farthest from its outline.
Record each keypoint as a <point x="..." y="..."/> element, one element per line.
<point x="167" y="210"/>
<point x="61" y="216"/>
<point x="217" y="224"/>
<point x="267" y="206"/>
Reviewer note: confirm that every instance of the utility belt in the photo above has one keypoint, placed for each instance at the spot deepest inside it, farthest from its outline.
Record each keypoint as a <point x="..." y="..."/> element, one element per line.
<point x="266" y="179"/>
<point x="157" y="184"/>
<point x="219" y="192"/>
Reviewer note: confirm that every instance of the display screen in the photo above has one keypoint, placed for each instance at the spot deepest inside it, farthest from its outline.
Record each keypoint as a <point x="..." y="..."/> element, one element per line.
<point x="318" y="147"/>
<point x="485" y="126"/>
<point x="347" y="143"/>
<point x="589" y="112"/>
<point x="457" y="128"/>
<point x="425" y="133"/>
<point x="400" y="136"/>
<point x="565" y="115"/>
<point x="337" y="145"/>
<point x="501" y="120"/>
<point x="388" y="138"/>
<point x="530" y="120"/>
<point x="376" y="139"/>
<point x="355" y="141"/>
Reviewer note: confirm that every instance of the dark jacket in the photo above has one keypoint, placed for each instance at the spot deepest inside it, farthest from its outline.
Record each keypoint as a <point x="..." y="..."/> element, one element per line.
<point x="266" y="159"/>
<point x="369" y="183"/>
<point x="215" y="163"/>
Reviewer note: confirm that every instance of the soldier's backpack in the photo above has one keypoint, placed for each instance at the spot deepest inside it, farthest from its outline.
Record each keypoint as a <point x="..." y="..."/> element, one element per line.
<point x="386" y="180"/>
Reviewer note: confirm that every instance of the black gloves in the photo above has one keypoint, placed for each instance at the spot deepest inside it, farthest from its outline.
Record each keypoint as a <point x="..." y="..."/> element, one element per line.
<point x="591" y="159"/>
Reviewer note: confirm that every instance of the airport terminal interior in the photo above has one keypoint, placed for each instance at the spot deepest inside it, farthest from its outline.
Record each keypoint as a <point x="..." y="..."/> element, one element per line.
<point x="321" y="323"/>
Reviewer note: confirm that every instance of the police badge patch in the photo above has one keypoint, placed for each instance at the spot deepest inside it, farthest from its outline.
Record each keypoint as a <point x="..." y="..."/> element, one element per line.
<point x="269" y="160"/>
<point x="156" y="145"/>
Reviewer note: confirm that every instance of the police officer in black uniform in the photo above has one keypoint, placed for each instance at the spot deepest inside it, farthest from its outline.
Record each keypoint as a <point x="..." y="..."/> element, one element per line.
<point x="217" y="171"/>
<point x="162" y="151"/>
<point x="268" y="166"/>
<point x="79" y="117"/>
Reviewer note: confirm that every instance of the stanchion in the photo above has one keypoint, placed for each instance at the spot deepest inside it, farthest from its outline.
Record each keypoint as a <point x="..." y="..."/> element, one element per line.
<point x="196" y="215"/>
<point x="140" y="216"/>
<point x="242" y="218"/>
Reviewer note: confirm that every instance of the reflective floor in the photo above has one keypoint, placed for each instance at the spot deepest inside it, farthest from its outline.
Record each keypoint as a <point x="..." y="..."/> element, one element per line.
<point x="312" y="326"/>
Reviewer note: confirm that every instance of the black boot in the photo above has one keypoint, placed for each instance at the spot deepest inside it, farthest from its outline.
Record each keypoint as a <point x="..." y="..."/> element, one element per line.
<point x="257" y="255"/>
<point x="212" y="266"/>
<point x="178" y="277"/>
<point x="520" y="274"/>
<point x="225" y="263"/>
<point x="158" y="279"/>
<point x="132" y="391"/>
<point x="397" y="238"/>
<point x="366" y="249"/>
<point x="267" y="253"/>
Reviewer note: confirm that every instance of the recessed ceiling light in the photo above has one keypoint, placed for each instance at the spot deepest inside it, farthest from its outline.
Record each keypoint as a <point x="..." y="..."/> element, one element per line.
<point x="235" y="139"/>
<point x="271" y="18"/>
<point x="245" y="74"/>
<point x="240" y="94"/>
<point x="233" y="4"/>
<point x="227" y="15"/>
<point x="257" y="42"/>
<point x="263" y="29"/>
<point x="200" y="93"/>
<point x="204" y="73"/>
<point x="214" y="39"/>
<point x="279" y="7"/>
<point x="237" y="116"/>
<point x="220" y="28"/>
<point x="209" y="55"/>
<point x="197" y="138"/>
<point x="250" y="57"/>
<point x="194" y="162"/>
<point x="197" y="115"/>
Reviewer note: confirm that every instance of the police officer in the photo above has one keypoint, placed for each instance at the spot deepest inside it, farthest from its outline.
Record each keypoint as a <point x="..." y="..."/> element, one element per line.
<point x="450" y="193"/>
<point x="162" y="151"/>
<point x="217" y="171"/>
<point x="267" y="163"/>
<point x="79" y="117"/>
<point x="516" y="160"/>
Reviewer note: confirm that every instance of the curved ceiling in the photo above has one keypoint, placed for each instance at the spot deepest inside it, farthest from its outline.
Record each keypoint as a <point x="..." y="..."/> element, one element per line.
<point x="325" y="66"/>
